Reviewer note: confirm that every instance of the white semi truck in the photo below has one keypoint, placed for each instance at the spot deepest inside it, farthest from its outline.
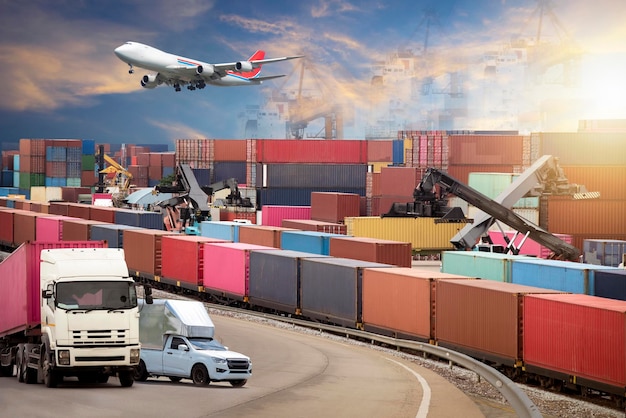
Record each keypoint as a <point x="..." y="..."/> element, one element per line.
<point x="68" y="310"/>
<point x="177" y="341"/>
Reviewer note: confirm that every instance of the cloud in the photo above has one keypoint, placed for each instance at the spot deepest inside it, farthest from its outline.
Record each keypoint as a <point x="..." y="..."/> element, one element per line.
<point x="178" y="130"/>
<point x="327" y="8"/>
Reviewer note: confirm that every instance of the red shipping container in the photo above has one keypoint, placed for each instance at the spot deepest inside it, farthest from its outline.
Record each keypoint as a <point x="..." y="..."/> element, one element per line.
<point x="70" y="194"/>
<point x="183" y="258"/>
<point x="230" y="214"/>
<point x="141" y="159"/>
<point x="578" y="335"/>
<point x="230" y="267"/>
<point x="102" y="214"/>
<point x="88" y="179"/>
<point x="371" y="249"/>
<point x="311" y="151"/>
<point x="486" y="149"/>
<point x="313" y="225"/>
<point x="155" y="159"/>
<point x="79" y="210"/>
<point x="59" y="208"/>
<point x="229" y="150"/>
<point x="56" y="169"/>
<point x="155" y="172"/>
<point x="168" y="159"/>
<point x="400" y="181"/>
<point x="608" y="180"/>
<point x="19" y="281"/>
<point x="6" y="220"/>
<point x="334" y="207"/>
<point x="273" y="215"/>
<point x="380" y="151"/>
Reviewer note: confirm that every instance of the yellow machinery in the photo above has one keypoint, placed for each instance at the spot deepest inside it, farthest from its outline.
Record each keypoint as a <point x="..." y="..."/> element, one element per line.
<point x="122" y="177"/>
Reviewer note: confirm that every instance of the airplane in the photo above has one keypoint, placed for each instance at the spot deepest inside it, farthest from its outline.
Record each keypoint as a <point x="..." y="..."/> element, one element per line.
<point x="176" y="71"/>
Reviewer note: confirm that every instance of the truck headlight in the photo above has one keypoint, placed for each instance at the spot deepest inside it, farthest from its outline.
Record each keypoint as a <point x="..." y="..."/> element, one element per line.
<point x="218" y="360"/>
<point x="64" y="357"/>
<point x="134" y="355"/>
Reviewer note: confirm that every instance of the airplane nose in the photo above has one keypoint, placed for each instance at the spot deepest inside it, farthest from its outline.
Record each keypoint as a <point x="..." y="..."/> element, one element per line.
<point x="119" y="51"/>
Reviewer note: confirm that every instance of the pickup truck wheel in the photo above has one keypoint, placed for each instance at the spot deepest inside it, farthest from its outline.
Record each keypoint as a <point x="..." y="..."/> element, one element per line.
<point x="126" y="378"/>
<point x="141" y="373"/>
<point x="200" y="375"/>
<point x="238" y="383"/>
<point x="175" y="379"/>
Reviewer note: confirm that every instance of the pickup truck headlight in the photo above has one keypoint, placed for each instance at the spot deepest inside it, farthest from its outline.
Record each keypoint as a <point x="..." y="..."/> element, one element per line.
<point x="134" y="355"/>
<point x="218" y="360"/>
<point x="64" y="357"/>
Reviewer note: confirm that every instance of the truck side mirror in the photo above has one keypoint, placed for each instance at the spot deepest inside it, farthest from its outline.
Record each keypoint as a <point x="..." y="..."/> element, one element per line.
<point x="183" y="347"/>
<point x="148" y="294"/>
<point x="47" y="292"/>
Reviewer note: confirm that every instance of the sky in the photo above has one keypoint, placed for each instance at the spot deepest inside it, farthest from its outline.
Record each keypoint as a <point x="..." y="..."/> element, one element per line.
<point x="61" y="78"/>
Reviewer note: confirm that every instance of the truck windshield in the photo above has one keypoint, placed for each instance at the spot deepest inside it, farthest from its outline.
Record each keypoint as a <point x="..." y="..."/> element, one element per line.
<point x="206" y="344"/>
<point x="96" y="295"/>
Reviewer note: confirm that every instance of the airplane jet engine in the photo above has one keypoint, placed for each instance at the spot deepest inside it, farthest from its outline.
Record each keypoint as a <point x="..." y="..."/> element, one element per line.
<point x="243" y="66"/>
<point x="149" y="81"/>
<point x="205" y="70"/>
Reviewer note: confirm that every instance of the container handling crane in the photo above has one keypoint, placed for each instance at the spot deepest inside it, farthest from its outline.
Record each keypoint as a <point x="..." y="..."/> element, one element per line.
<point x="191" y="206"/>
<point x="545" y="177"/>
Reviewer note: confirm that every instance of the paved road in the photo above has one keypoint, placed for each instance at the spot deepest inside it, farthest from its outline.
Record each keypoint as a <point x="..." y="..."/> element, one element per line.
<point x="295" y="375"/>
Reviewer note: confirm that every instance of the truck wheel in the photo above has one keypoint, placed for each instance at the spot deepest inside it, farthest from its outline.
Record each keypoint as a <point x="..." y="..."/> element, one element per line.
<point x="175" y="379"/>
<point x="126" y="378"/>
<point x="50" y="376"/>
<point x="238" y="383"/>
<point x="19" y="362"/>
<point x="200" y="375"/>
<point x="141" y="374"/>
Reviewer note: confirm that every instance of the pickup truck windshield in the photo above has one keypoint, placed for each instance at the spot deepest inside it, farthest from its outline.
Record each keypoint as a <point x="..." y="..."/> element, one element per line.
<point x="206" y="344"/>
<point x="92" y="295"/>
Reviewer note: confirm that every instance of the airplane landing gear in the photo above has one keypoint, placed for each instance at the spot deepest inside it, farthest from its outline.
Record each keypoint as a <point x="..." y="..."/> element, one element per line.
<point x="131" y="70"/>
<point x="177" y="87"/>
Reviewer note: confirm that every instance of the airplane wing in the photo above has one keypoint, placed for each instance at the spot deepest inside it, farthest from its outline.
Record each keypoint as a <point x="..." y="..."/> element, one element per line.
<point x="248" y="65"/>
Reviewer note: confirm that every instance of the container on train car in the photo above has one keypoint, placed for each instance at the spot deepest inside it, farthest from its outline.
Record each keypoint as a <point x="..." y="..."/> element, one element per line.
<point x="576" y="338"/>
<point x="78" y="210"/>
<point x="229" y="268"/>
<point x="78" y="229"/>
<point x="142" y="248"/>
<point x="102" y="214"/>
<point x="610" y="284"/>
<point x="7" y="216"/>
<point x="50" y="228"/>
<point x="482" y="318"/>
<point x="269" y="236"/>
<point x="605" y="252"/>
<point x="565" y="276"/>
<point x="142" y="219"/>
<point x="113" y="234"/>
<point x="226" y="230"/>
<point x="331" y="289"/>
<point x="423" y="233"/>
<point x="489" y="266"/>
<point x="307" y="241"/>
<point x="313" y="225"/>
<point x="372" y="249"/>
<point x="25" y="226"/>
<point x="182" y="259"/>
<point x="275" y="279"/>
<point x="398" y="301"/>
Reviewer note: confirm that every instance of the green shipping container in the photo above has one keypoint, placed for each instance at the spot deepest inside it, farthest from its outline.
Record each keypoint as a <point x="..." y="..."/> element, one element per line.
<point x="488" y="266"/>
<point x="88" y="163"/>
<point x="28" y="180"/>
<point x="492" y="184"/>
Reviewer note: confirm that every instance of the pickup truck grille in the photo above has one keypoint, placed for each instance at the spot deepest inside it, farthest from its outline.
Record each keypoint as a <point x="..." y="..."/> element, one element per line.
<point x="100" y="337"/>
<point x="236" y="364"/>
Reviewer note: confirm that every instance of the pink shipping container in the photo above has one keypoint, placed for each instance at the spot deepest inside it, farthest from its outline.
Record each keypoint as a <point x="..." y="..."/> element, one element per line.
<point x="313" y="225"/>
<point x="311" y="151"/>
<point x="371" y="249"/>
<point x="398" y="301"/>
<point x="183" y="259"/>
<point x="334" y="207"/>
<point x="19" y="281"/>
<point x="25" y="226"/>
<point x="582" y="337"/>
<point x="529" y="247"/>
<point x="483" y="318"/>
<point x="230" y="268"/>
<point x="50" y="228"/>
<point x="273" y="215"/>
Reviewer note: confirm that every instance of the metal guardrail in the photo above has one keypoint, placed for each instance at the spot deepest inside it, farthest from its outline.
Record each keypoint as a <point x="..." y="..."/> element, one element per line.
<point x="516" y="397"/>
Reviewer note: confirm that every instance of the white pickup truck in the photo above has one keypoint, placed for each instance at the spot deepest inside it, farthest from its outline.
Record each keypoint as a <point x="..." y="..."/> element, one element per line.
<point x="177" y="342"/>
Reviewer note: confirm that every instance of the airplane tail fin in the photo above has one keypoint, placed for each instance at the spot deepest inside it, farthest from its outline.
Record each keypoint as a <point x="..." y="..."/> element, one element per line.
<point x="258" y="55"/>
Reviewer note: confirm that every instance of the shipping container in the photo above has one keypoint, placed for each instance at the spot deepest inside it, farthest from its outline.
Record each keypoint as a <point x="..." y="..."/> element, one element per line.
<point x="102" y="214"/>
<point x="275" y="279"/>
<point x="372" y="249"/>
<point x="50" y="228"/>
<point x="298" y="196"/>
<point x="595" y="216"/>
<point x="565" y="276"/>
<point x="398" y="302"/>
<point x="78" y="229"/>
<point x="400" y="181"/>
<point x="587" y="347"/>
<point x="462" y="172"/>
<point x="483" y="318"/>
<point x="310" y="175"/>
<point x="572" y="148"/>
<point x="334" y="207"/>
<point x="20" y="298"/>
<point x="225" y="230"/>
<point x="25" y="226"/>
<point x="225" y="170"/>
<point x="484" y="265"/>
<point x="611" y="284"/>
<point x="111" y="233"/>
<point x="270" y="151"/>
<point x="493" y="184"/>
<point x="307" y="241"/>
<point x="229" y="273"/>
<point x="79" y="210"/>
<point x="229" y="150"/>
<point x="143" y="219"/>
<point x="273" y="215"/>
<point x="381" y="150"/>
<point x="313" y="225"/>
<point x="60" y="208"/>
<point x="142" y="249"/>
<point x="331" y="289"/>
<point x="605" y="252"/>
<point x="183" y="260"/>
<point x="528" y="246"/>
<point x="486" y="149"/>
<point x="7" y="216"/>
<point x="423" y="233"/>
<point x="606" y="179"/>
<point x="268" y="236"/>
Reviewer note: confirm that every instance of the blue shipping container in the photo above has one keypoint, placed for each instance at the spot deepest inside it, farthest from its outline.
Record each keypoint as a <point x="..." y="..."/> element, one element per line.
<point x="112" y="234"/>
<point x="16" y="162"/>
<point x="311" y="175"/>
<point x="230" y="169"/>
<point x="142" y="219"/>
<point x="55" y="153"/>
<point x="398" y="152"/>
<point x="611" y="284"/>
<point x="307" y="241"/>
<point x="89" y="147"/>
<point x="297" y="196"/>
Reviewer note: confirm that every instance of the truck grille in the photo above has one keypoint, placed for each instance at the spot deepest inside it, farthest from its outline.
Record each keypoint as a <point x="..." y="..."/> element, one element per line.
<point x="100" y="337"/>
<point x="236" y="364"/>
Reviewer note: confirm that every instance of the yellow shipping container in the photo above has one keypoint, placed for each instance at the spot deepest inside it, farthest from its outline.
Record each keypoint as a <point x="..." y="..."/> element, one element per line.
<point x="376" y="166"/>
<point x="423" y="233"/>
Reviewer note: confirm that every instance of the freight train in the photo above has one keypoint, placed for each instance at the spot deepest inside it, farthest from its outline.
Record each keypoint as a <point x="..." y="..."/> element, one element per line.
<point x="556" y="338"/>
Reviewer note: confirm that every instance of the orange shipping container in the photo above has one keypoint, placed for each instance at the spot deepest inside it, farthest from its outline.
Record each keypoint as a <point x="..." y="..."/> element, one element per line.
<point x="597" y="216"/>
<point x="78" y="210"/>
<point x="78" y="229"/>
<point x="398" y="301"/>
<point x="372" y="249"/>
<point x="313" y="225"/>
<point x="400" y="181"/>
<point x="268" y="236"/>
<point x="142" y="250"/>
<point x="334" y="207"/>
<point x="102" y="214"/>
<point x="230" y="149"/>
